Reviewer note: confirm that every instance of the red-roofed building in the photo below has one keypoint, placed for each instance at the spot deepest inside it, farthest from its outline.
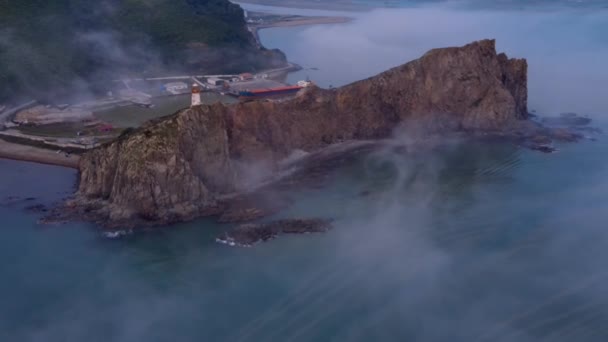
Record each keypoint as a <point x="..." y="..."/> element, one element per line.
<point x="105" y="128"/>
<point x="246" y="76"/>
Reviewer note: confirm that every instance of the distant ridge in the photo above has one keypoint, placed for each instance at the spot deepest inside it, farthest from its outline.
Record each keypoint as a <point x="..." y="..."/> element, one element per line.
<point x="51" y="49"/>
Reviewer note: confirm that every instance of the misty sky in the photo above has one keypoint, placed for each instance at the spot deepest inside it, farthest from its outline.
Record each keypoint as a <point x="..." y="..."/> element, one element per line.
<point x="566" y="49"/>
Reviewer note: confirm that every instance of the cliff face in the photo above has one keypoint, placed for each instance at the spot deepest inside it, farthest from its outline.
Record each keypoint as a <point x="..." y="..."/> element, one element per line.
<point x="175" y="168"/>
<point x="166" y="170"/>
<point x="465" y="88"/>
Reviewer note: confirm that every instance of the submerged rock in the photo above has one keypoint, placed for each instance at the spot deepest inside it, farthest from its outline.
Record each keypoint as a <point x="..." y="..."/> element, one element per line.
<point x="246" y="235"/>
<point x="253" y="206"/>
<point x="37" y="208"/>
<point x="11" y="200"/>
<point x="566" y="119"/>
<point x="540" y="140"/>
<point x="562" y="134"/>
<point x="24" y="203"/>
<point x="541" y="148"/>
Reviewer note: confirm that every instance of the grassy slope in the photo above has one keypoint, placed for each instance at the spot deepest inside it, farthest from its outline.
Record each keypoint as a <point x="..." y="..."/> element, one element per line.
<point x="55" y="46"/>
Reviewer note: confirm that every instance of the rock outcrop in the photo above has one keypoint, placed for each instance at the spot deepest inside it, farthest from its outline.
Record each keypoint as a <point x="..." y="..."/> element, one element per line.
<point x="179" y="167"/>
<point x="167" y="170"/>
<point x="247" y="235"/>
<point x="465" y="88"/>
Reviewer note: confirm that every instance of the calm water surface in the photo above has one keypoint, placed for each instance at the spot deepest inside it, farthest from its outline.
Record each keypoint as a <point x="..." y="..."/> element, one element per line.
<point x="470" y="242"/>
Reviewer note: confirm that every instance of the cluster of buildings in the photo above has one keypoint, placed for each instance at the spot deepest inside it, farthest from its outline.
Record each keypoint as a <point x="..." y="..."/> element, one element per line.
<point x="223" y="81"/>
<point x="220" y="81"/>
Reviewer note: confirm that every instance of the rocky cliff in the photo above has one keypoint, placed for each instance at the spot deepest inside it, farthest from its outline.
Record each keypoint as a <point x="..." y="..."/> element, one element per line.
<point x="164" y="171"/>
<point x="177" y="167"/>
<point x="465" y="88"/>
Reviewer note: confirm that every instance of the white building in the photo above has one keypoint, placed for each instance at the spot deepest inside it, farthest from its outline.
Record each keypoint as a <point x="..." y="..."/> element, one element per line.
<point x="176" y="88"/>
<point x="215" y="81"/>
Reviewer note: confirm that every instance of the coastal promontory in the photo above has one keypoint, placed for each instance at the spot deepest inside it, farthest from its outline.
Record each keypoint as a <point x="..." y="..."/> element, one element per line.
<point x="182" y="166"/>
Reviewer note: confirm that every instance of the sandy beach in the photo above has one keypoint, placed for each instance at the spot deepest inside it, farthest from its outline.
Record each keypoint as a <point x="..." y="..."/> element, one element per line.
<point x="37" y="155"/>
<point x="300" y="21"/>
<point x="337" y="5"/>
<point x="306" y="21"/>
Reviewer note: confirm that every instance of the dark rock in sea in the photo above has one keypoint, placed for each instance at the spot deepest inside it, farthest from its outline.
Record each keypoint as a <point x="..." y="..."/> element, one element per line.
<point x="15" y="200"/>
<point x="117" y="234"/>
<point x="589" y="130"/>
<point x="542" y="148"/>
<point x="9" y="200"/>
<point x="37" y="208"/>
<point x="253" y="206"/>
<point x="365" y="193"/>
<point x="246" y="235"/>
<point x="241" y="215"/>
<point x="566" y="119"/>
<point x="565" y="135"/>
<point x="540" y="140"/>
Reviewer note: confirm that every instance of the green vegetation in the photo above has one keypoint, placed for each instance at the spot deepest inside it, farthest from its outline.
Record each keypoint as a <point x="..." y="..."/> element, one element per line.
<point x="54" y="47"/>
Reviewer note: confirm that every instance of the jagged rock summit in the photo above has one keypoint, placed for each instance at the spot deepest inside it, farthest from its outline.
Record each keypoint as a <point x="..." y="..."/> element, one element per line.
<point x="177" y="167"/>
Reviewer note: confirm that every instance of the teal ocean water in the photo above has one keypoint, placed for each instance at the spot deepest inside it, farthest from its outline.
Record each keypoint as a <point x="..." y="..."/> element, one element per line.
<point x="469" y="242"/>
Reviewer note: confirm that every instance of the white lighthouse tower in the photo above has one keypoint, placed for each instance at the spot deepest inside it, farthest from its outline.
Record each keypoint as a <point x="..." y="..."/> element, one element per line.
<point x="196" y="95"/>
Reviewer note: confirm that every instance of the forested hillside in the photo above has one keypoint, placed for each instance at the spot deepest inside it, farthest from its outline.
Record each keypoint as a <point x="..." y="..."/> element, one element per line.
<point x="52" y="47"/>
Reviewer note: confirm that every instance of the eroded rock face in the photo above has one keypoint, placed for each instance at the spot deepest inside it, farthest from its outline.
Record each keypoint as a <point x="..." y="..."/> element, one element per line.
<point x="465" y="88"/>
<point x="166" y="170"/>
<point x="247" y="235"/>
<point x="176" y="168"/>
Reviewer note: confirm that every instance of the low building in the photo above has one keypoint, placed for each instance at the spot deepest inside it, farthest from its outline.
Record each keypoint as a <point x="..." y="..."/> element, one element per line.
<point x="215" y="81"/>
<point x="246" y="76"/>
<point x="105" y="127"/>
<point x="176" y="88"/>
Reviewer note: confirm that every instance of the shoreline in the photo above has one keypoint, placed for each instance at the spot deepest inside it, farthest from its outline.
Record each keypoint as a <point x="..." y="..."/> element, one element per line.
<point x="255" y="29"/>
<point x="309" y="5"/>
<point x="39" y="155"/>
<point x="302" y="21"/>
<point x="305" y="21"/>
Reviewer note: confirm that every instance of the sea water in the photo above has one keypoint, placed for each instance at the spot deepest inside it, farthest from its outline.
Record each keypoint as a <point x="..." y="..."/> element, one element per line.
<point x="467" y="242"/>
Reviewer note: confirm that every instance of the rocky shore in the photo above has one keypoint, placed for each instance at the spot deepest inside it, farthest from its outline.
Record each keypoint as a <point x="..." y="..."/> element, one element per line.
<point x="199" y="161"/>
<point x="28" y="153"/>
<point x="247" y="235"/>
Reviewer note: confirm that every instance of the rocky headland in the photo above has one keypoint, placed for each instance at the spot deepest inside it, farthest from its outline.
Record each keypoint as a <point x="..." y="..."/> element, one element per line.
<point x="196" y="162"/>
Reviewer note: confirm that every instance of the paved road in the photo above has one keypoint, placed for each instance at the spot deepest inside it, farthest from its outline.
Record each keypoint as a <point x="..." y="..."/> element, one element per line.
<point x="187" y="77"/>
<point x="7" y="114"/>
<point x="37" y="155"/>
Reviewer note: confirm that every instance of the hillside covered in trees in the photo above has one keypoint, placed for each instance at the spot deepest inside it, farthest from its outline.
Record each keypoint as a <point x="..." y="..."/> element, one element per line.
<point x="54" y="47"/>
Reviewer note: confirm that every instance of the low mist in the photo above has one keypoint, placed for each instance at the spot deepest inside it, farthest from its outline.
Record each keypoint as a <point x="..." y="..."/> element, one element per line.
<point x="462" y="242"/>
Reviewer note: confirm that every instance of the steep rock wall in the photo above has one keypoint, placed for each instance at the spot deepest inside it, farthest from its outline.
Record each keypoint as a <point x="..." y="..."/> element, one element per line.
<point x="465" y="88"/>
<point x="166" y="170"/>
<point x="174" y="168"/>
